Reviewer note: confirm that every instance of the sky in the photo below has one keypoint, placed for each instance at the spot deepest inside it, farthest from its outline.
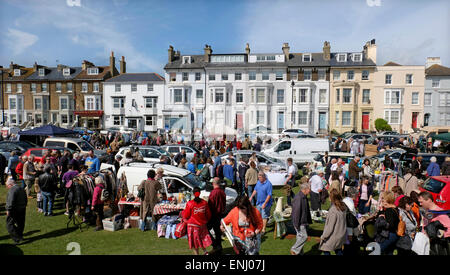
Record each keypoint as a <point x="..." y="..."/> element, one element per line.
<point x="52" y="32"/>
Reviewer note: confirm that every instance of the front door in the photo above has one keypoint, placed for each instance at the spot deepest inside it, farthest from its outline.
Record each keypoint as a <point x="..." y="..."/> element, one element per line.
<point x="280" y="121"/>
<point x="239" y="121"/>
<point x="365" y="121"/>
<point x="132" y="123"/>
<point x="322" y="121"/>
<point x="414" y="120"/>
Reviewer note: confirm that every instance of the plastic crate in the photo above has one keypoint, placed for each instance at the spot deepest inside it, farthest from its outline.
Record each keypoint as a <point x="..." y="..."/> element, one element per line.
<point x="109" y="225"/>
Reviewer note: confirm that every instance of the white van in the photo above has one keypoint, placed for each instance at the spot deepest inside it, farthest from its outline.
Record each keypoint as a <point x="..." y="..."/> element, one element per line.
<point x="176" y="180"/>
<point x="76" y="144"/>
<point x="300" y="150"/>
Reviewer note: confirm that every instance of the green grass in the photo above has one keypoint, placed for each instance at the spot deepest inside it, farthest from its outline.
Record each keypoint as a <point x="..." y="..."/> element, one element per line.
<point x="49" y="236"/>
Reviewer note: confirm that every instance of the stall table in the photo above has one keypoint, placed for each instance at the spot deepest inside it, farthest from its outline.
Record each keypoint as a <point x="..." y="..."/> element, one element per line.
<point x="124" y="202"/>
<point x="164" y="208"/>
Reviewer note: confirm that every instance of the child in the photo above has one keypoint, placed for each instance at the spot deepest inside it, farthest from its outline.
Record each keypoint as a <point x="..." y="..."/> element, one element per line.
<point x="39" y="198"/>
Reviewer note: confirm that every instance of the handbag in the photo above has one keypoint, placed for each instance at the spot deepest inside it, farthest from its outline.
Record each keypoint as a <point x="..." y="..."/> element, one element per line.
<point x="404" y="242"/>
<point x="181" y="229"/>
<point x="401" y="228"/>
<point x="352" y="221"/>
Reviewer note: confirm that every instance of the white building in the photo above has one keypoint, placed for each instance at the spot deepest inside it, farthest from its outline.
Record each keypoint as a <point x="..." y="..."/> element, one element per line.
<point x="134" y="100"/>
<point x="231" y="93"/>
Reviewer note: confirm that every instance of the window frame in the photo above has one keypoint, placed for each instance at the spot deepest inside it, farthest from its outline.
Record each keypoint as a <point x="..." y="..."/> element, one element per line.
<point x="386" y="79"/>
<point x="282" y="96"/>
<point x="350" y="118"/>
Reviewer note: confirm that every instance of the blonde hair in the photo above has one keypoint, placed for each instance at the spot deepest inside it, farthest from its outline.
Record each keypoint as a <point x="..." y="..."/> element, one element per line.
<point x="388" y="197"/>
<point x="159" y="170"/>
<point x="99" y="180"/>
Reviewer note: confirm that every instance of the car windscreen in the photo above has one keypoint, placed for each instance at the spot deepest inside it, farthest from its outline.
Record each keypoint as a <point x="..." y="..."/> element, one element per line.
<point x="27" y="145"/>
<point x="85" y="146"/>
<point x="194" y="181"/>
<point x="163" y="152"/>
<point x="433" y="185"/>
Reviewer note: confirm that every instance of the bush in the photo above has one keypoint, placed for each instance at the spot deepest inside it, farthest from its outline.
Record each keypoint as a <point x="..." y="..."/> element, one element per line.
<point x="334" y="132"/>
<point x="382" y="125"/>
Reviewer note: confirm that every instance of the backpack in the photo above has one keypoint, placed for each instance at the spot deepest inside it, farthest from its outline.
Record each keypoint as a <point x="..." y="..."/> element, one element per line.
<point x="104" y="195"/>
<point x="352" y="221"/>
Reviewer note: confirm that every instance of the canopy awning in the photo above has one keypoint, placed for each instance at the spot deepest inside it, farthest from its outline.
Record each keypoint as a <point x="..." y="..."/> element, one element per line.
<point x="47" y="130"/>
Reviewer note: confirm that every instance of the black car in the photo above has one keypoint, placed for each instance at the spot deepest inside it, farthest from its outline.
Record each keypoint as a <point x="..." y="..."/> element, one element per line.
<point x="19" y="146"/>
<point x="406" y="159"/>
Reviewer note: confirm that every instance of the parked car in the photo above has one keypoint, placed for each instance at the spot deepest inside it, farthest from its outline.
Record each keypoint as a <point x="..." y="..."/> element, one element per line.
<point x="18" y="146"/>
<point x="38" y="152"/>
<point x="300" y="150"/>
<point x="151" y="154"/>
<point x="176" y="148"/>
<point x="293" y="132"/>
<point x="439" y="187"/>
<point x="176" y="180"/>
<point x="407" y="158"/>
<point x="263" y="159"/>
<point x="82" y="130"/>
<point x="394" y="154"/>
<point x="75" y="144"/>
<point x="389" y="133"/>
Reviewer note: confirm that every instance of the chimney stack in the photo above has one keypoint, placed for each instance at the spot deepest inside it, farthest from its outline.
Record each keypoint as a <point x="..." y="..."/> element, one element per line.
<point x="11" y="66"/>
<point x="35" y="66"/>
<point x="326" y="50"/>
<point x="112" y="64"/>
<point x="208" y="52"/>
<point x="247" y="49"/>
<point x="432" y="61"/>
<point x="171" y="54"/>
<point x="370" y="50"/>
<point x="285" y="49"/>
<point x="123" y="68"/>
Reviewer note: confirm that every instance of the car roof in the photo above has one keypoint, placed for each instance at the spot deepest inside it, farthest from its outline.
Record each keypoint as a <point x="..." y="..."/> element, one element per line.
<point x="445" y="179"/>
<point x="167" y="168"/>
<point x="63" y="139"/>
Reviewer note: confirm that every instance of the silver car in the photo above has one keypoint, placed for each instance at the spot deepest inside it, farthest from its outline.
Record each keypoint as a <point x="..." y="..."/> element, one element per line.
<point x="176" y="148"/>
<point x="263" y="159"/>
<point x="150" y="154"/>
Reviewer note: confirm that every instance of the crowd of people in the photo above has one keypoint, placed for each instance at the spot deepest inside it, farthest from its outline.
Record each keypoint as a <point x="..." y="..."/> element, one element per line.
<point x="350" y="188"/>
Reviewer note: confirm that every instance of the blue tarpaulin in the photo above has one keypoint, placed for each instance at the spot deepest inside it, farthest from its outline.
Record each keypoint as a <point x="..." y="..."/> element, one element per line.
<point x="47" y="130"/>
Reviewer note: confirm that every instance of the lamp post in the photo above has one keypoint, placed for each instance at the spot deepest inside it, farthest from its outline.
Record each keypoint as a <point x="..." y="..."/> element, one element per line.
<point x="292" y="104"/>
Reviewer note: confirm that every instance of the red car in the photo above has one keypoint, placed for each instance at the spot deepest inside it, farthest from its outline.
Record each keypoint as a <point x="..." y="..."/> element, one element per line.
<point x="439" y="187"/>
<point x="38" y="152"/>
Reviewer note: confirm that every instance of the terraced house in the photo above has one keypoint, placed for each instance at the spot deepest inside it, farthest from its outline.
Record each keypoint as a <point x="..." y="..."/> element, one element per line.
<point x="398" y="96"/>
<point x="437" y="93"/>
<point x="351" y="89"/>
<point x="238" y="92"/>
<point x="17" y="101"/>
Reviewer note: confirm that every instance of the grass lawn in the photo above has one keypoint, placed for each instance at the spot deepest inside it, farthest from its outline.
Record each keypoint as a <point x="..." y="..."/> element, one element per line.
<point x="50" y="236"/>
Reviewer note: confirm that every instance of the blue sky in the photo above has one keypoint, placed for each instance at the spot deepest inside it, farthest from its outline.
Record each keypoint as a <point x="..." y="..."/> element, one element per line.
<point x="70" y="31"/>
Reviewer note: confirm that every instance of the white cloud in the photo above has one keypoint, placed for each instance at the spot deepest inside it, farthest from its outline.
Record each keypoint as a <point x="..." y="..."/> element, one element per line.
<point x="91" y="27"/>
<point x="18" y="41"/>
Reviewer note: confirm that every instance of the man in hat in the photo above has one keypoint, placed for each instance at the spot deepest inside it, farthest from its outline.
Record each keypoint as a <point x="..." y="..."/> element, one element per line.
<point x="16" y="205"/>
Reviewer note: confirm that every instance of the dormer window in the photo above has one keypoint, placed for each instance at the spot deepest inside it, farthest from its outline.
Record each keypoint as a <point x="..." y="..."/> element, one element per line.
<point x="357" y="57"/>
<point x="342" y="57"/>
<point x="16" y="72"/>
<point x="66" y="71"/>
<point x="186" y="60"/>
<point x="92" y="71"/>
<point x="306" y="57"/>
<point x="42" y="72"/>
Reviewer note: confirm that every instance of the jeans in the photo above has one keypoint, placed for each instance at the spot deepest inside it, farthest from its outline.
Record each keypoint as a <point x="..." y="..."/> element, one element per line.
<point x="48" y="202"/>
<point x="250" y="189"/>
<point x="302" y="237"/>
<point x="290" y="196"/>
<point x="338" y="252"/>
<point x="362" y="208"/>
<point x="387" y="246"/>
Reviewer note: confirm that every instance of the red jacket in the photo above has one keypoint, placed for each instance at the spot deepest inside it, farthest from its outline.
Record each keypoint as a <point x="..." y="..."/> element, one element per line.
<point x="233" y="218"/>
<point x="217" y="201"/>
<point x="197" y="213"/>
<point x="19" y="170"/>
<point x="97" y="195"/>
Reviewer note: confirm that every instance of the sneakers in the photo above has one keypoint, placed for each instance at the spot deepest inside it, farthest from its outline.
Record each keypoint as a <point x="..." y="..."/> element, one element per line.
<point x="66" y="213"/>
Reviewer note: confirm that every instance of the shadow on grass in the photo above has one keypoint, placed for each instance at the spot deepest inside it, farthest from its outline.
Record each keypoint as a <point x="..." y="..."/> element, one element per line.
<point x="10" y="249"/>
<point x="6" y="237"/>
<point x="52" y="234"/>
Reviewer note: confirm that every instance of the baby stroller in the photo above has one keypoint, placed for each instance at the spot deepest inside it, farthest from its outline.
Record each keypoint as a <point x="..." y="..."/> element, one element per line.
<point x="239" y="246"/>
<point x="368" y="234"/>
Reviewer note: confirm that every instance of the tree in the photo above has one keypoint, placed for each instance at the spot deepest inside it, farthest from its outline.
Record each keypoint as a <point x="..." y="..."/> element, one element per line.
<point x="382" y="125"/>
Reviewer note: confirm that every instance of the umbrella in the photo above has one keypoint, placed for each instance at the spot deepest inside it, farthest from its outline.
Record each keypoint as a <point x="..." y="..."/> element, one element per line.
<point x="444" y="137"/>
<point x="47" y="130"/>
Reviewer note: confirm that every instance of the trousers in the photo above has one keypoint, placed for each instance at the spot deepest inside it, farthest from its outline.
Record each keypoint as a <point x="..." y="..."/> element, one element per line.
<point x="15" y="223"/>
<point x="301" y="238"/>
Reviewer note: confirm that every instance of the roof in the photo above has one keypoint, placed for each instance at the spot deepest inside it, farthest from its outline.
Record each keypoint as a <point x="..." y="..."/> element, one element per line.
<point x="296" y="59"/>
<point x="137" y="77"/>
<point x="103" y="73"/>
<point x="9" y="75"/>
<point x="197" y="62"/>
<point x="349" y="63"/>
<point x="437" y="70"/>
<point x="390" y="63"/>
<point x="52" y="73"/>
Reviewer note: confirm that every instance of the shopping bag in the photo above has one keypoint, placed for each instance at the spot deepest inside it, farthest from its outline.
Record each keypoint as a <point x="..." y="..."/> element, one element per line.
<point x="181" y="229"/>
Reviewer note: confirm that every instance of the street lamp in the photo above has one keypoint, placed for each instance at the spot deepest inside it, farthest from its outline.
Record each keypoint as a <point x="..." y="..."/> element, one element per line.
<point x="292" y="104"/>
